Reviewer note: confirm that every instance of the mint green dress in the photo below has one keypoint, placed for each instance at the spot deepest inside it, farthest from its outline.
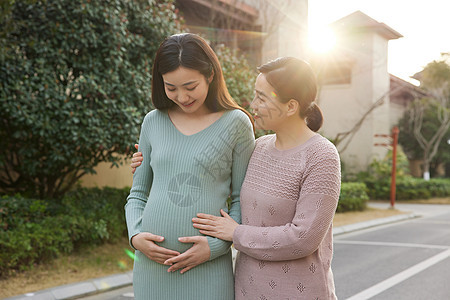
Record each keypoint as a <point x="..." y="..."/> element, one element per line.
<point x="181" y="176"/>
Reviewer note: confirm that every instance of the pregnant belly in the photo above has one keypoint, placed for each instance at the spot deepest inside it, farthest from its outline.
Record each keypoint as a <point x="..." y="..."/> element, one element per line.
<point x="162" y="217"/>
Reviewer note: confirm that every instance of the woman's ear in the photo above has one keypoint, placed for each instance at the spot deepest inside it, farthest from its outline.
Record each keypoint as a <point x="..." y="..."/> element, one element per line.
<point x="210" y="79"/>
<point x="292" y="107"/>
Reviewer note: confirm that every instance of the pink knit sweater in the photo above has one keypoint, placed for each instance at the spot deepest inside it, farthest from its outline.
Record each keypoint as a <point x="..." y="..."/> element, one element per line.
<point x="285" y="242"/>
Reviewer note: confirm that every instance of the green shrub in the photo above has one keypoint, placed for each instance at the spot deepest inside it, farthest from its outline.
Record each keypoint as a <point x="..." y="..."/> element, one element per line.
<point x="377" y="188"/>
<point x="353" y="197"/>
<point x="381" y="169"/>
<point x="35" y="230"/>
<point x="378" y="181"/>
<point x="409" y="188"/>
<point x="31" y="231"/>
<point x="33" y="242"/>
<point x="99" y="213"/>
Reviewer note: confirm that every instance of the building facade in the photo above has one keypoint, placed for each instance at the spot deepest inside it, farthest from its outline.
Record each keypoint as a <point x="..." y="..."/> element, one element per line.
<point x="356" y="88"/>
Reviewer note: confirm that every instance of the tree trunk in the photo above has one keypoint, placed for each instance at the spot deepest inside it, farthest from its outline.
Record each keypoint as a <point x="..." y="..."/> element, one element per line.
<point x="426" y="170"/>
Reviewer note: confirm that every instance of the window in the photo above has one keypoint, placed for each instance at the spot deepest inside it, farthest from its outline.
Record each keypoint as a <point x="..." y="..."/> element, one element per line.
<point x="336" y="74"/>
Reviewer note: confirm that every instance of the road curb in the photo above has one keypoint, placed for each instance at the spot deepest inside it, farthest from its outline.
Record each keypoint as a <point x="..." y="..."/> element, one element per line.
<point x="101" y="285"/>
<point x="372" y="223"/>
<point x="81" y="289"/>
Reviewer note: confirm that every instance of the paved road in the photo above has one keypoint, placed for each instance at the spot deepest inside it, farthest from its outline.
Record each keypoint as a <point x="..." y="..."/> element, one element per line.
<point x="406" y="260"/>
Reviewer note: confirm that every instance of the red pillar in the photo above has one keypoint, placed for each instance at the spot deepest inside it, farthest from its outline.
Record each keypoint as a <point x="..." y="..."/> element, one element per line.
<point x="395" y="132"/>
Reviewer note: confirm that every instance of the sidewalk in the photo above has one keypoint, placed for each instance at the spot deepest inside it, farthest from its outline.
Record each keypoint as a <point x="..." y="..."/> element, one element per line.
<point x="101" y="285"/>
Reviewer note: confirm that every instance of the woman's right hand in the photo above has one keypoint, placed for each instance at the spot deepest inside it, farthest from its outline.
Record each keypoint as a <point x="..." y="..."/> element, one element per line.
<point x="136" y="160"/>
<point x="145" y="242"/>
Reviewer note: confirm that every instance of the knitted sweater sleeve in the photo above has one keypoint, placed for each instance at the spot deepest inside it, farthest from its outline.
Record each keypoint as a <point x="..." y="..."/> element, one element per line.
<point x="142" y="182"/>
<point x="244" y="143"/>
<point x="312" y="220"/>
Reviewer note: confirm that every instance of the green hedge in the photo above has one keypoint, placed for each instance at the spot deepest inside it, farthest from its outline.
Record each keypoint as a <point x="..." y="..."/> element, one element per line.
<point x="409" y="188"/>
<point x="353" y="197"/>
<point x="37" y="230"/>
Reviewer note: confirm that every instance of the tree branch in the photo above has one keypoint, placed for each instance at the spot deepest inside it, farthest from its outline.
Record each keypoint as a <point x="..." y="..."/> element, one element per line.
<point x="350" y="133"/>
<point x="417" y="117"/>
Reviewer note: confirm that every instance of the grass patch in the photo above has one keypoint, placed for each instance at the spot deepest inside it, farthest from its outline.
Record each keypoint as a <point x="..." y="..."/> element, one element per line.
<point x="85" y="264"/>
<point x="351" y="217"/>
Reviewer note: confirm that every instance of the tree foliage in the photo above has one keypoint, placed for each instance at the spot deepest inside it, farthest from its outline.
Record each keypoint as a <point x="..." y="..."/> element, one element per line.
<point x="425" y="127"/>
<point x="74" y="86"/>
<point x="240" y="78"/>
<point x="430" y="126"/>
<point x="239" y="75"/>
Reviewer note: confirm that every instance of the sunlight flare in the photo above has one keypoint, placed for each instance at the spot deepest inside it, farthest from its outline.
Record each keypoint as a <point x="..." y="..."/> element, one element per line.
<point x="130" y="254"/>
<point x="322" y="40"/>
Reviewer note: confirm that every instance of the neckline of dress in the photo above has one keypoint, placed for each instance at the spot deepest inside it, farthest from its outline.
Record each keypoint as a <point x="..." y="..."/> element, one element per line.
<point x="274" y="150"/>
<point x="199" y="132"/>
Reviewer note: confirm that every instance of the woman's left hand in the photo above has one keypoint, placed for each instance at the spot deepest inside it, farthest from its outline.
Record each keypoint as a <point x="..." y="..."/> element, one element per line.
<point x="219" y="227"/>
<point x="197" y="254"/>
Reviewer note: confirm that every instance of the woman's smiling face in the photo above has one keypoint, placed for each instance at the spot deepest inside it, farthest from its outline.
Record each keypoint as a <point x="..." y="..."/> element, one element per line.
<point x="268" y="111"/>
<point x="187" y="88"/>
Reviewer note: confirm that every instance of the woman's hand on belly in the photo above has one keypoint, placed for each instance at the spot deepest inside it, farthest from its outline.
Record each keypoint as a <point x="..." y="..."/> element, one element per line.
<point x="145" y="242"/>
<point x="197" y="254"/>
<point x="219" y="227"/>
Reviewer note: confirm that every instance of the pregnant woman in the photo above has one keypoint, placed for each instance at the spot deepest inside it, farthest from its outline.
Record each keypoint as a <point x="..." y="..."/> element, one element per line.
<point x="196" y="145"/>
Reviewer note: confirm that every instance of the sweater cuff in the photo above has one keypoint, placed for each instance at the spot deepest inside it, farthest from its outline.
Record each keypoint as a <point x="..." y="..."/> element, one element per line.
<point x="217" y="247"/>
<point x="131" y="236"/>
<point x="237" y="235"/>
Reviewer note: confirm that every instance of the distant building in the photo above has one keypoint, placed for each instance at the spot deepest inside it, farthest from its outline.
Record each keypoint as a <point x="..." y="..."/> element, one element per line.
<point x="232" y="23"/>
<point x="356" y="89"/>
<point x="261" y="29"/>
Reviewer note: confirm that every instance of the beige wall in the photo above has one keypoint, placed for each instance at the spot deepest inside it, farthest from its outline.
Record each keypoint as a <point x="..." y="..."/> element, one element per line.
<point x="381" y="87"/>
<point x="107" y="176"/>
<point x="343" y="105"/>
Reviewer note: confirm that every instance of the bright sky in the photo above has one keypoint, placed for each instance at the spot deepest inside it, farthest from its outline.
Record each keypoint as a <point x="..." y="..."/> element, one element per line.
<point x="425" y="26"/>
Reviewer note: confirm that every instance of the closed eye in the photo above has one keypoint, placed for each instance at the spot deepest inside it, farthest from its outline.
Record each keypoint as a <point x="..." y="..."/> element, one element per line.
<point x="258" y="96"/>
